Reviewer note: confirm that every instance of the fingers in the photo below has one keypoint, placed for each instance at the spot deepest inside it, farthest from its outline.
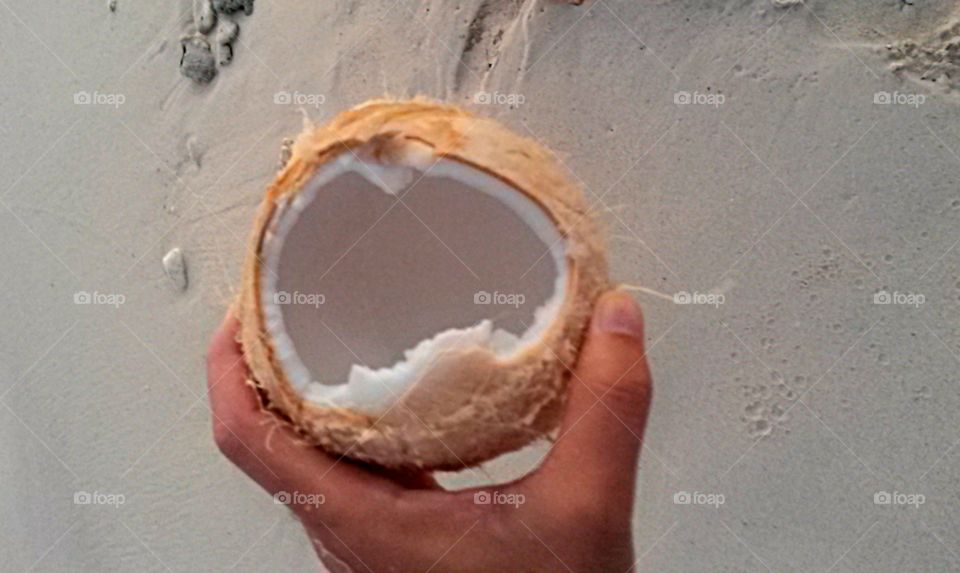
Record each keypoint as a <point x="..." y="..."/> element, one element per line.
<point x="600" y="437"/>
<point x="233" y="404"/>
<point x="225" y="363"/>
<point x="271" y="453"/>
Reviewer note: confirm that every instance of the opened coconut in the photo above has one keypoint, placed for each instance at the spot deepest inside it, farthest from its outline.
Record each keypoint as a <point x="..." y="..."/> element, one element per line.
<point x="417" y="288"/>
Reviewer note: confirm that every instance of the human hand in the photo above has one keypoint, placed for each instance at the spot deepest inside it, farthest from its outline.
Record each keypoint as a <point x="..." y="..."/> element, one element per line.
<point x="576" y="509"/>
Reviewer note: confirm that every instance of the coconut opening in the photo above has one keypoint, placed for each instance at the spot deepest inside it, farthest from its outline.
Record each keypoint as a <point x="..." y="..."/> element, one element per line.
<point x="374" y="270"/>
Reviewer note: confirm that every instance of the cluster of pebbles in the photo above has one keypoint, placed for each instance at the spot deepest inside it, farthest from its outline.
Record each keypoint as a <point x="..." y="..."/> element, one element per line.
<point x="211" y="43"/>
<point x="934" y="59"/>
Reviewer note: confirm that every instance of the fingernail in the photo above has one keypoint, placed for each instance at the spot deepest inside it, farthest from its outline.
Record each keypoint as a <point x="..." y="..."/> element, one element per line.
<point x="618" y="313"/>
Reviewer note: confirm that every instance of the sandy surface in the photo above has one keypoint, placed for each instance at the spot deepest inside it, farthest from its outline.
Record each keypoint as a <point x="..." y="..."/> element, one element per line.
<point x="787" y="185"/>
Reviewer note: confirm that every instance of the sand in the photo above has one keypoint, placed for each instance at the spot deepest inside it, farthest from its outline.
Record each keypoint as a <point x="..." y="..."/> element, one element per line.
<point x="789" y="169"/>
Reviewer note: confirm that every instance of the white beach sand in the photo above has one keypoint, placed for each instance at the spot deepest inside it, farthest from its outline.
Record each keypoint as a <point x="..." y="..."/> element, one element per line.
<point x="796" y="158"/>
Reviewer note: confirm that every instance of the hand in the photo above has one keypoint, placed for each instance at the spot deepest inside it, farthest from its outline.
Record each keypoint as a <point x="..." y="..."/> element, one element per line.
<point x="576" y="509"/>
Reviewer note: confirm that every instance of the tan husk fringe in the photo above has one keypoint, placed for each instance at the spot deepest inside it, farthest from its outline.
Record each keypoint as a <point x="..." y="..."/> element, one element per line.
<point x="470" y="406"/>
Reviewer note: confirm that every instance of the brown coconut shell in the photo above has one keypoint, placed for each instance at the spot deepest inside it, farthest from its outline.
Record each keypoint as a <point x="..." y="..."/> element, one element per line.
<point x="470" y="406"/>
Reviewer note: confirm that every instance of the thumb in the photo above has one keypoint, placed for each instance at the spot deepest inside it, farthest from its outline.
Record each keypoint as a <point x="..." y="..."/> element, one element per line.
<point x="602" y="431"/>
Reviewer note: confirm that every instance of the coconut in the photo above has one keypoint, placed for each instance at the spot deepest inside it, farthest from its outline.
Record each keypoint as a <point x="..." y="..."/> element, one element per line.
<point x="398" y="227"/>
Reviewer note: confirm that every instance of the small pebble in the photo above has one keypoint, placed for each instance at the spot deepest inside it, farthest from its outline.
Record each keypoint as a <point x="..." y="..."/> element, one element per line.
<point x="176" y="268"/>
<point x="231" y="6"/>
<point x="225" y="54"/>
<point x="227" y="32"/>
<point x="197" y="62"/>
<point x="203" y="15"/>
<point x="112" y="4"/>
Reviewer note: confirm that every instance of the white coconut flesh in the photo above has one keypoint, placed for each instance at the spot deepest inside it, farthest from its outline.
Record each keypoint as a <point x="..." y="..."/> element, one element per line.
<point x="372" y="272"/>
